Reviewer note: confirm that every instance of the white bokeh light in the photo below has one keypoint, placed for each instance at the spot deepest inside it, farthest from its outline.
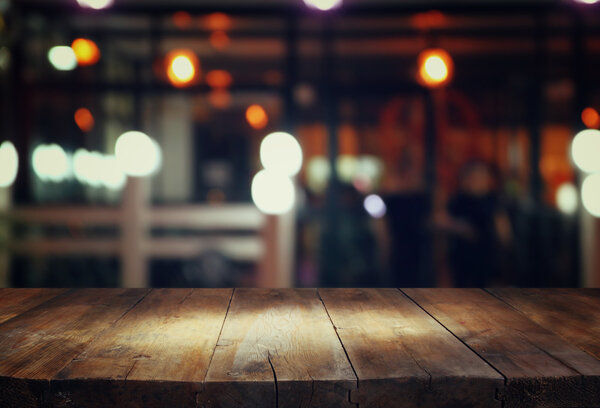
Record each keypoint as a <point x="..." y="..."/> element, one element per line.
<point x="62" y="58"/>
<point x="183" y="68"/>
<point x="9" y="164"/>
<point x="51" y="163"/>
<point x="323" y="5"/>
<point x="273" y="193"/>
<point x="95" y="4"/>
<point x="436" y="68"/>
<point x="138" y="154"/>
<point x="346" y="166"/>
<point x="567" y="198"/>
<point x="375" y="206"/>
<point x="281" y="153"/>
<point x="98" y="170"/>
<point x="113" y="176"/>
<point x="585" y="150"/>
<point x="318" y="172"/>
<point x="590" y="194"/>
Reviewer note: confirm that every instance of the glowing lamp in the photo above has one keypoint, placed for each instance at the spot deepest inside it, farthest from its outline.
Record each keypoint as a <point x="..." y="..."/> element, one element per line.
<point x="584" y="150"/>
<point x="86" y="51"/>
<point x="281" y="153"/>
<point x="62" y="58"/>
<point x="323" y="5"/>
<point x="374" y="206"/>
<point x="138" y="154"/>
<point x="590" y="194"/>
<point x="9" y="164"/>
<point x="257" y="117"/>
<point x="182" y="67"/>
<point x="51" y="163"/>
<point x="272" y="192"/>
<point x="435" y="68"/>
<point x="567" y="198"/>
<point x="95" y="4"/>
<point x="84" y="119"/>
<point x="590" y="118"/>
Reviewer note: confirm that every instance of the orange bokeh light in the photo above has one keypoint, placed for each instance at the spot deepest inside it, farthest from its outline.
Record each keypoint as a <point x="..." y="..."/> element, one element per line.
<point x="590" y="118"/>
<point x="257" y="117"/>
<point x="219" y="98"/>
<point x="182" y="67"/>
<point x="218" y="21"/>
<point x="84" y="119"/>
<point x="435" y="68"/>
<point x="182" y="19"/>
<point x="218" y="78"/>
<point x="219" y="40"/>
<point x="86" y="51"/>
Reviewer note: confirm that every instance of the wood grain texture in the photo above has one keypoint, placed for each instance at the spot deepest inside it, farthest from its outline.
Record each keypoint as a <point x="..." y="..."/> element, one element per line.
<point x="574" y="314"/>
<point x="403" y="357"/>
<point x="155" y="356"/>
<point x="278" y="348"/>
<point x="38" y="343"/>
<point x="541" y="369"/>
<point x="13" y="302"/>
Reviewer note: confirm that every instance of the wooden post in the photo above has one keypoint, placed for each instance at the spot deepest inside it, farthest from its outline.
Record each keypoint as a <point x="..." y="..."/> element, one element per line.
<point x="5" y="203"/>
<point x="134" y="230"/>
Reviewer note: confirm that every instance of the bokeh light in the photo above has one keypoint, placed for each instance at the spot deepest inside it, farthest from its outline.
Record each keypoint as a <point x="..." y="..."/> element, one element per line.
<point x="218" y="78"/>
<point x="9" y="164"/>
<point x="273" y="192"/>
<point x="323" y="5"/>
<point x="219" y="98"/>
<point x="98" y="170"/>
<point x="435" y="67"/>
<point x="567" y="198"/>
<point x="95" y="4"/>
<point x="86" y="51"/>
<point x="346" y="166"/>
<point x="219" y="40"/>
<point x="281" y="153"/>
<point x="257" y="116"/>
<point x="590" y="118"/>
<point x="585" y="150"/>
<point x="375" y="206"/>
<point x="62" y="58"/>
<point x="138" y="154"/>
<point x="182" y="19"/>
<point x="84" y="119"/>
<point x="590" y="194"/>
<point x="218" y="21"/>
<point x="588" y="1"/>
<point x="50" y="163"/>
<point x="318" y="172"/>
<point x="182" y="67"/>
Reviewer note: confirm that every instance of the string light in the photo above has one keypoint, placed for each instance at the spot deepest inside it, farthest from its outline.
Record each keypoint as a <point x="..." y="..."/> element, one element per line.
<point x="86" y="51"/>
<point x="182" y="67"/>
<point x="435" y="68"/>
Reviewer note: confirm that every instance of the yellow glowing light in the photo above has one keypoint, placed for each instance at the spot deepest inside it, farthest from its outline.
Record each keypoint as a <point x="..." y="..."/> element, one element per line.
<point x="218" y="78"/>
<point x="9" y="164"/>
<point x="435" y="67"/>
<point x="281" y="153"/>
<point x="272" y="192"/>
<point x="257" y="117"/>
<point x="62" y="58"/>
<point x="182" y="66"/>
<point x="84" y="119"/>
<point x="323" y="5"/>
<point x="584" y="150"/>
<point x="590" y="118"/>
<point x="590" y="194"/>
<point x="86" y="51"/>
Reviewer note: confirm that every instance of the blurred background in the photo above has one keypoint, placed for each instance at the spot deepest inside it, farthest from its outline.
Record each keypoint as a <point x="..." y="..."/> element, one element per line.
<point x="283" y="143"/>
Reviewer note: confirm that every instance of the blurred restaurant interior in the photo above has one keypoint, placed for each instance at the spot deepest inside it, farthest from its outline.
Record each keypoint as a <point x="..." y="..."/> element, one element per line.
<point x="299" y="143"/>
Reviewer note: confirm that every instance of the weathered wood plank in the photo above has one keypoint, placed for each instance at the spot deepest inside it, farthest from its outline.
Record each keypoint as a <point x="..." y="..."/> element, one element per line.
<point x="278" y="348"/>
<point x="155" y="356"/>
<point x="403" y="357"/>
<point x="38" y="343"/>
<point x="541" y="369"/>
<point x="574" y="314"/>
<point x="13" y="302"/>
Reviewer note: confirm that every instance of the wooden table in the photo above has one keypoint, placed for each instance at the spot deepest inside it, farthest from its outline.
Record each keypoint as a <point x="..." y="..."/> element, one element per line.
<point x="443" y="348"/>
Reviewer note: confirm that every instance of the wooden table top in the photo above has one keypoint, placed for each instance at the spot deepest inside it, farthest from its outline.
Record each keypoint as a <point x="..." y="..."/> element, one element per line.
<point x="205" y="348"/>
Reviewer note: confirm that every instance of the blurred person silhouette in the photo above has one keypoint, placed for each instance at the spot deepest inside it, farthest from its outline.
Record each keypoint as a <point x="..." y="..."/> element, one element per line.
<point x="477" y="225"/>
